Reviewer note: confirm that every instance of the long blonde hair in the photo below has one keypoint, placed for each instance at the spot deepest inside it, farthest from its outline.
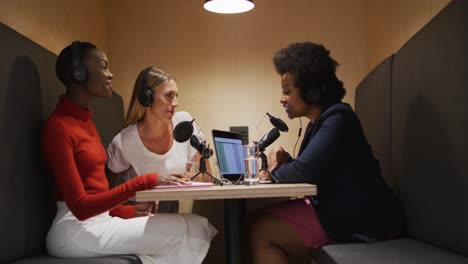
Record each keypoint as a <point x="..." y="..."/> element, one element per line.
<point x="153" y="78"/>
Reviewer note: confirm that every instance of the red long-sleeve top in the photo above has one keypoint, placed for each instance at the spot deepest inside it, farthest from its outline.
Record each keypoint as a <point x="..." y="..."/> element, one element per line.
<point x="76" y="159"/>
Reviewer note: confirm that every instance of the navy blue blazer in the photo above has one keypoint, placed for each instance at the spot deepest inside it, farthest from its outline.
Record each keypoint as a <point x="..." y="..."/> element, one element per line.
<point x="353" y="201"/>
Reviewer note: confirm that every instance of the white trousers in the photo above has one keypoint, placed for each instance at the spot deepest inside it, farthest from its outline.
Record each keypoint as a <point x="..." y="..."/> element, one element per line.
<point x="162" y="238"/>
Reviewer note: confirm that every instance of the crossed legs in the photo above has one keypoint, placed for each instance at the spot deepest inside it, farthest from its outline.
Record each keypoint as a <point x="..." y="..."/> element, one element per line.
<point x="286" y="229"/>
<point x="272" y="241"/>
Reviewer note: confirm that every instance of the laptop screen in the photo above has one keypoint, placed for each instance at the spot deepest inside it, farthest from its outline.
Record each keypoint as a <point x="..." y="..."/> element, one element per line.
<point x="228" y="147"/>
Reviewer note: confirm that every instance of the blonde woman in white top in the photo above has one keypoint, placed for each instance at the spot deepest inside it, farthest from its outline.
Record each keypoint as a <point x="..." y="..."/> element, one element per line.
<point x="146" y="143"/>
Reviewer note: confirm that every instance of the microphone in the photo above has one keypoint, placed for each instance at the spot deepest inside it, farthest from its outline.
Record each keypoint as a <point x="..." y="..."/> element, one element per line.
<point x="201" y="146"/>
<point x="278" y="123"/>
<point x="183" y="131"/>
<point x="269" y="138"/>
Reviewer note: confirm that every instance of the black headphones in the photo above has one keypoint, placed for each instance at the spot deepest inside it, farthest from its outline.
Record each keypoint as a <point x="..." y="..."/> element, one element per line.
<point x="313" y="95"/>
<point x="79" y="72"/>
<point x="146" y="95"/>
<point x="315" y="91"/>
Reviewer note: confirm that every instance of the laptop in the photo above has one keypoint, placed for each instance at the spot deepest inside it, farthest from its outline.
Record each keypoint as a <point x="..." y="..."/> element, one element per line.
<point x="229" y="153"/>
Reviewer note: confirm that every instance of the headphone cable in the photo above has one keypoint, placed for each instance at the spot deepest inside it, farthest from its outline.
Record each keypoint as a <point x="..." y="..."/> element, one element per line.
<point x="298" y="136"/>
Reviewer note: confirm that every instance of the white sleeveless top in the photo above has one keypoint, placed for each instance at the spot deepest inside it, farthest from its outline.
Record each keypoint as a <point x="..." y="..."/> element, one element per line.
<point x="127" y="151"/>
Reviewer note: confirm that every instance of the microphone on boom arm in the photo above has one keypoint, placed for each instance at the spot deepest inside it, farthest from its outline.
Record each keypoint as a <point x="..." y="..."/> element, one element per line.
<point x="183" y="132"/>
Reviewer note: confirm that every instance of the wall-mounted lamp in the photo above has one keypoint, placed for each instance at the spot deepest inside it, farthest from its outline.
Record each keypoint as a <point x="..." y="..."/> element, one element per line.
<point x="228" y="6"/>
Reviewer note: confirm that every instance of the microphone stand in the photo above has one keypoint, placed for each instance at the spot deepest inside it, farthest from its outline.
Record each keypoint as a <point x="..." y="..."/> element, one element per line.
<point x="264" y="163"/>
<point x="203" y="171"/>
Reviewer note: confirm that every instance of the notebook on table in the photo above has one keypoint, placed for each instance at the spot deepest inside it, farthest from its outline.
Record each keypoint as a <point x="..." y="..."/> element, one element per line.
<point x="191" y="185"/>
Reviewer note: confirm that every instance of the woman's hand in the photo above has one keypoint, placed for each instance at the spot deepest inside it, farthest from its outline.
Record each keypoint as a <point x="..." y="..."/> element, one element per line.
<point x="145" y="209"/>
<point x="263" y="175"/>
<point x="173" y="179"/>
<point x="277" y="157"/>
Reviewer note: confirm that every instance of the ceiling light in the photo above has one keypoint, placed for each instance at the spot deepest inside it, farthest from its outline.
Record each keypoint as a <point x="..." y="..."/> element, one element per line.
<point x="228" y="6"/>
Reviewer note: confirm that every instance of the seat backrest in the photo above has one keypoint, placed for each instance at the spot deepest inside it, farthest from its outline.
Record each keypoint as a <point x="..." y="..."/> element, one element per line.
<point x="27" y="84"/>
<point x="373" y="107"/>
<point x="429" y="128"/>
<point x="108" y="116"/>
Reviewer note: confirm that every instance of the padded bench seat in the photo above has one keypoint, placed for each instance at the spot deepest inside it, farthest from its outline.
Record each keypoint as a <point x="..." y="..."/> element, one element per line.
<point x="413" y="110"/>
<point x="118" y="259"/>
<point x="399" y="251"/>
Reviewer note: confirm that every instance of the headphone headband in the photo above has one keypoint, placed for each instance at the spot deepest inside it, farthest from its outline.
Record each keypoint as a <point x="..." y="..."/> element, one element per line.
<point x="79" y="72"/>
<point x="76" y="54"/>
<point x="146" y="95"/>
<point x="145" y="78"/>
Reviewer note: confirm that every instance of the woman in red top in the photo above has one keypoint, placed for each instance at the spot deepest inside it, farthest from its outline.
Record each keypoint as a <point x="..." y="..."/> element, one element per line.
<point x="91" y="220"/>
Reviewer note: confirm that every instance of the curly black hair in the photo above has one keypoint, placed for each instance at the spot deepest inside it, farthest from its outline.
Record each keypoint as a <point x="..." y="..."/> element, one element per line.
<point x="312" y="68"/>
<point x="64" y="63"/>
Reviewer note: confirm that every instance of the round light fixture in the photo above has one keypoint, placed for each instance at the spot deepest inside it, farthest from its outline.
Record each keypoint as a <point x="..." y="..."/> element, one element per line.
<point x="228" y="6"/>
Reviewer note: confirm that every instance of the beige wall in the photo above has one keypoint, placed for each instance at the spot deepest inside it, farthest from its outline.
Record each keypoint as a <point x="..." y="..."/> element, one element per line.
<point x="391" y="23"/>
<point x="223" y="63"/>
<point x="54" y="24"/>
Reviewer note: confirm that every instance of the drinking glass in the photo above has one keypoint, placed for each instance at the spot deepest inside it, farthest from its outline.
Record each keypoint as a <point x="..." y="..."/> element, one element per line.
<point x="191" y="168"/>
<point x="252" y="164"/>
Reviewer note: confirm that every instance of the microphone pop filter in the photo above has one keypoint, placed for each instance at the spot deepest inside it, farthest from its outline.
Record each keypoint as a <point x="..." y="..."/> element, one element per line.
<point x="278" y="123"/>
<point x="183" y="131"/>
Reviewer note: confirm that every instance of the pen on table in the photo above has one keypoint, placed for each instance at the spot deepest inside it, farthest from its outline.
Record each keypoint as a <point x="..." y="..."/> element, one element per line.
<point x="186" y="179"/>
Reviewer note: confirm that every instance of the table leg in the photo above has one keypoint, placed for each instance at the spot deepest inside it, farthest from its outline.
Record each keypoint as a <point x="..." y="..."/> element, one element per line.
<point x="234" y="212"/>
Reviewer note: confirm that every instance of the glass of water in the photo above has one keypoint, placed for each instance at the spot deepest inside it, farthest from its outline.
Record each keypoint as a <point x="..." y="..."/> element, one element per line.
<point x="252" y="164"/>
<point x="191" y="168"/>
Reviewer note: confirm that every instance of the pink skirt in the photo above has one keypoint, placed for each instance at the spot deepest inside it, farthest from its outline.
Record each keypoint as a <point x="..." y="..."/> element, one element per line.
<point x="301" y="216"/>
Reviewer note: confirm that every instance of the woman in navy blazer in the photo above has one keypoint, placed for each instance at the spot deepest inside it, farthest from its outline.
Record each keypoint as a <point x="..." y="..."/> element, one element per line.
<point x="353" y="203"/>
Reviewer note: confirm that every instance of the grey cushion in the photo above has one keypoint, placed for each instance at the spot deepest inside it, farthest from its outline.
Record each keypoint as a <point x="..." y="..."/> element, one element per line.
<point x="108" y="115"/>
<point x="430" y="128"/>
<point x="400" y="251"/>
<point x="373" y="107"/>
<point x="26" y="80"/>
<point x="120" y="259"/>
